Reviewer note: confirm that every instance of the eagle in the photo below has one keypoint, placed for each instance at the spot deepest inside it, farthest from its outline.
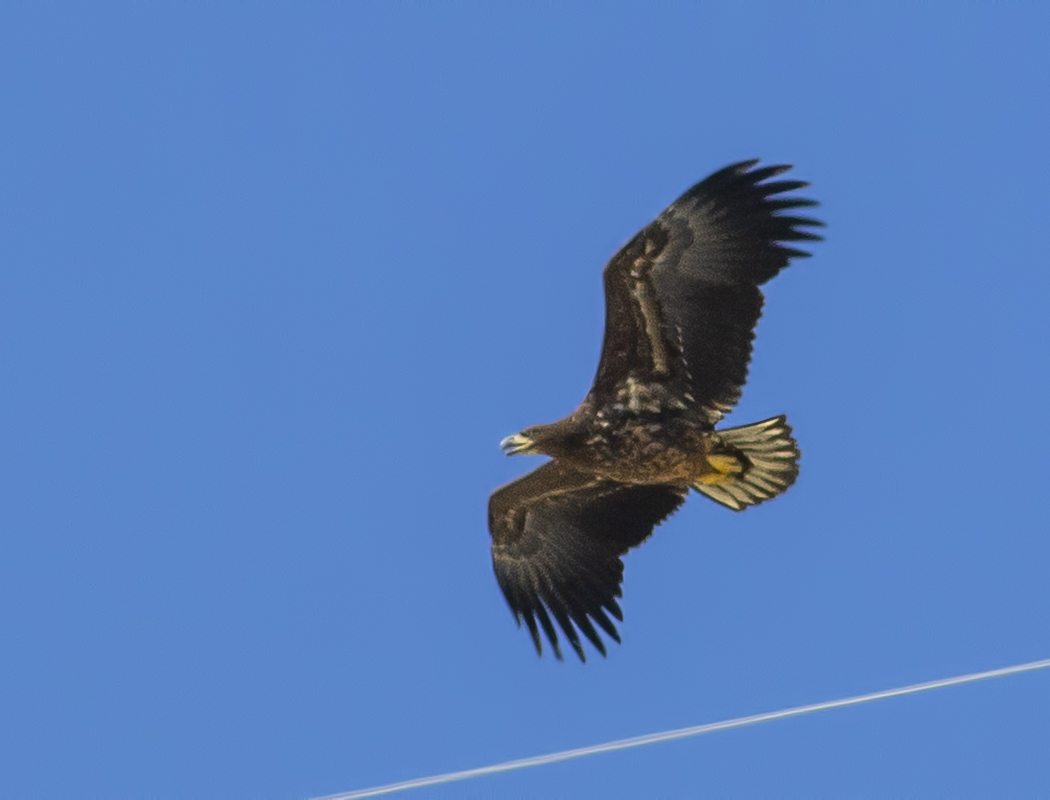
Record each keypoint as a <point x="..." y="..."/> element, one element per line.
<point x="682" y="299"/>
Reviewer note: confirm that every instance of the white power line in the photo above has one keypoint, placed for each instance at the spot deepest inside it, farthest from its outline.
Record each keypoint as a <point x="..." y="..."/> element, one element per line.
<point x="681" y="733"/>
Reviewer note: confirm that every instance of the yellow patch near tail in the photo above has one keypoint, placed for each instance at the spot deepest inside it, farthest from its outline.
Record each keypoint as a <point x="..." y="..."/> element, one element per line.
<point x="750" y="464"/>
<point x="724" y="469"/>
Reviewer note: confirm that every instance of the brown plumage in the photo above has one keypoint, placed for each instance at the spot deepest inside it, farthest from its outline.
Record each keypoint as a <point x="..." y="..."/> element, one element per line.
<point x="681" y="302"/>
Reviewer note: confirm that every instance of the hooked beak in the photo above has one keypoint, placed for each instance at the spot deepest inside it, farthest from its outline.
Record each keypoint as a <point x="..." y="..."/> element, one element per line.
<point x="515" y="444"/>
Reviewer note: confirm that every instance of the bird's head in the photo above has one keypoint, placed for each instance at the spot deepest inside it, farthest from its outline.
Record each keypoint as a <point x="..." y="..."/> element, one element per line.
<point x="556" y="439"/>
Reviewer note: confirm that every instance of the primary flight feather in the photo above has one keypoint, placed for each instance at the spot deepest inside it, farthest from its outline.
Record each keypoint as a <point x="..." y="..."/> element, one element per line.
<point x="681" y="302"/>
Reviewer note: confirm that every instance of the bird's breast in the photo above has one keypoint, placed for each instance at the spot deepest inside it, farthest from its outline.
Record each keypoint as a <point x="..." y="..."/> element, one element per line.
<point x="653" y="450"/>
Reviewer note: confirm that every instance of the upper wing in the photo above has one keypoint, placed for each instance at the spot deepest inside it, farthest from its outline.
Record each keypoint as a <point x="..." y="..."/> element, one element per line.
<point x="682" y="297"/>
<point x="557" y="538"/>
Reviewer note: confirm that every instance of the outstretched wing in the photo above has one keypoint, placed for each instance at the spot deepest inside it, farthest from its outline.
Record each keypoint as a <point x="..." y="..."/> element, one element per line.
<point x="682" y="297"/>
<point x="557" y="538"/>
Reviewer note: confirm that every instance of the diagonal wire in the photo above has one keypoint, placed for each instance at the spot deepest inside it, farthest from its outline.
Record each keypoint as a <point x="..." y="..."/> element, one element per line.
<point x="681" y="733"/>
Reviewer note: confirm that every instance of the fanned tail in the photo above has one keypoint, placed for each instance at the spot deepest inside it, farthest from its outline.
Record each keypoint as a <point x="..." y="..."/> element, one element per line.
<point x="751" y="464"/>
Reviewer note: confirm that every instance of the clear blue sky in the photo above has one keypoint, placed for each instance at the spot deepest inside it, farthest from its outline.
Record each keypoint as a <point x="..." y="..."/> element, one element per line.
<point x="275" y="279"/>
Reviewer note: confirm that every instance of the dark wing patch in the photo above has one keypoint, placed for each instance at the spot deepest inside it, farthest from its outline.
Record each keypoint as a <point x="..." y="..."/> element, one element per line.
<point x="557" y="538"/>
<point x="635" y="343"/>
<point x="696" y="270"/>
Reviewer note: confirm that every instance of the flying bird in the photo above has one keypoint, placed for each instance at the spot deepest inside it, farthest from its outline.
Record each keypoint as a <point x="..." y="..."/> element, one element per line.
<point x="681" y="302"/>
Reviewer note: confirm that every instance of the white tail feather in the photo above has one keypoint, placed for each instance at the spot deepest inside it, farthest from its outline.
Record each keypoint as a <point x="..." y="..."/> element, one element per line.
<point x="765" y="460"/>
